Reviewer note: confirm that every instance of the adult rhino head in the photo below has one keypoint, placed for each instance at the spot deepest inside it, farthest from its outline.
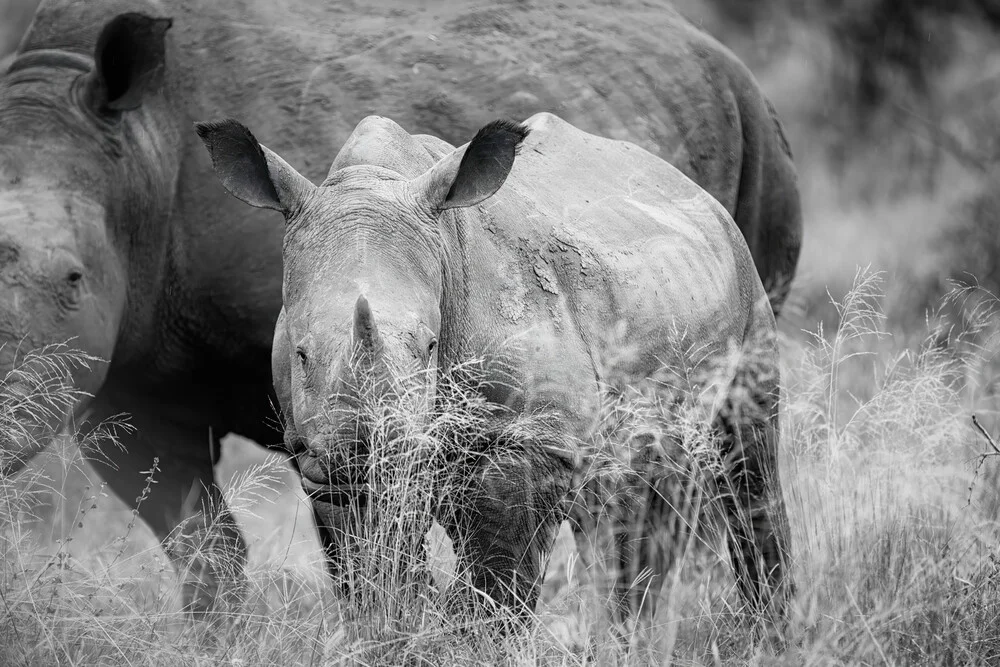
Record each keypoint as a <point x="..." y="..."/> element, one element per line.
<point x="364" y="273"/>
<point x="86" y="179"/>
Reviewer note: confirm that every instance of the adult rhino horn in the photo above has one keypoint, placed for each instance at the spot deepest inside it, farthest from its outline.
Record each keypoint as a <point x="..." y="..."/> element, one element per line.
<point x="366" y="334"/>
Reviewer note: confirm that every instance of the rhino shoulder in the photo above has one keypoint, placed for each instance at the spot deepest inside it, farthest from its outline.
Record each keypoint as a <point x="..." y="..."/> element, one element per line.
<point x="556" y="138"/>
<point x="547" y="127"/>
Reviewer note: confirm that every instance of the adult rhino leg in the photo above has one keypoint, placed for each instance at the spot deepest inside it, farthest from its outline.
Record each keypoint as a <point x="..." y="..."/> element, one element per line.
<point x="505" y="521"/>
<point x="179" y="500"/>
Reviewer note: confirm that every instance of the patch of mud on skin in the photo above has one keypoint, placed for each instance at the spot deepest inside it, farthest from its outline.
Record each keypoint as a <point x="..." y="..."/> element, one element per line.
<point x="512" y="304"/>
<point x="546" y="277"/>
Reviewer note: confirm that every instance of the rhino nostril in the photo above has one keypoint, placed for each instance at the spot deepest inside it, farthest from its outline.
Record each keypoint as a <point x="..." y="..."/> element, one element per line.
<point x="299" y="446"/>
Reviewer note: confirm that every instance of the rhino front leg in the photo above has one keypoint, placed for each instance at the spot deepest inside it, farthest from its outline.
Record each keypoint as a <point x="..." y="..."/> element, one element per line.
<point x="505" y="521"/>
<point x="181" y="503"/>
<point x="338" y="526"/>
<point x="372" y="544"/>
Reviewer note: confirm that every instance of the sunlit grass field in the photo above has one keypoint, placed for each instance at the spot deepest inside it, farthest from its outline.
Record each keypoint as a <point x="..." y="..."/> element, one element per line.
<point x="893" y="515"/>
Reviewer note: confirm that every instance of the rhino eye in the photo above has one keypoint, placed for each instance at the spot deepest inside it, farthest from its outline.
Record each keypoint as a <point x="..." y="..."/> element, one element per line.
<point x="70" y="294"/>
<point x="303" y="358"/>
<point x="431" y="346"/>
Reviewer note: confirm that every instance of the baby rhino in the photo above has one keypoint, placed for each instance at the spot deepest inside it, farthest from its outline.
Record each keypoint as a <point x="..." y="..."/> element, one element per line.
<point x="525" y="249"/>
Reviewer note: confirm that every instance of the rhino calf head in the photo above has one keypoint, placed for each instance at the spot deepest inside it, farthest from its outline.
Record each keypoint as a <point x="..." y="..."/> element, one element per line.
<point x="364" y="277"/>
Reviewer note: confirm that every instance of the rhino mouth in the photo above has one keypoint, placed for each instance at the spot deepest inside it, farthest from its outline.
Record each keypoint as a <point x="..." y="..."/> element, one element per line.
<point x="335" y="493"/>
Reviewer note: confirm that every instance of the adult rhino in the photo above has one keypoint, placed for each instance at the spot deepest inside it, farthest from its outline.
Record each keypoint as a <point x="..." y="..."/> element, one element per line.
<point x="411" y="260"/>
<point x="114" y="235"/>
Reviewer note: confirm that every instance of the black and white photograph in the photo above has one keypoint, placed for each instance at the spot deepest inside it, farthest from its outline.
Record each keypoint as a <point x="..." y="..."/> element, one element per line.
<point x="439" y="333"/>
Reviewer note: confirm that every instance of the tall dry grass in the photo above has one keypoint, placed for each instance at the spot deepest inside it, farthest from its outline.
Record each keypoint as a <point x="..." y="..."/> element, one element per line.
<point x="899" y="553"/>
<point x="896" y="557"/>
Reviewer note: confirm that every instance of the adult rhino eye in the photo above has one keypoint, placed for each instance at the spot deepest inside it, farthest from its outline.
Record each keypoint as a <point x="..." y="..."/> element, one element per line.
<point x="301" y="354"/>
<point x="71" y="293"/>
<point x="431" y="346"/>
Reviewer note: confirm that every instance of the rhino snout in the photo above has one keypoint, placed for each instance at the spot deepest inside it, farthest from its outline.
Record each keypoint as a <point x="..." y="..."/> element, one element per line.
<point x="24" y="436"/>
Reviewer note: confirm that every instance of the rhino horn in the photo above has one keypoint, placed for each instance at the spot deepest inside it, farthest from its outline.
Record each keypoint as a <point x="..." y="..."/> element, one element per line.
<point x="366" y="334"/>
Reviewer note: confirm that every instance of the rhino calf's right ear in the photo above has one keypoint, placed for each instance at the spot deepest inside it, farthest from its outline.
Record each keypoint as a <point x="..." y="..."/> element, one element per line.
<point x="250" y="172"/>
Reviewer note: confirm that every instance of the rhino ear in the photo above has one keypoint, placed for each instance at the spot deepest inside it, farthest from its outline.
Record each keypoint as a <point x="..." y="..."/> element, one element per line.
<point x="250" y="172"/>
<point x="465" y="178"/>
<point x="129" y="58"/>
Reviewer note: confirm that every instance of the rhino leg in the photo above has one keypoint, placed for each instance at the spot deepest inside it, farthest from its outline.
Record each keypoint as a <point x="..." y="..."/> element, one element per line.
<point x="335" y="527"/>
<point x="751" y="493"/>
<point x="370" y="546"/>
<point x="338" y="527"/>
<point x="505" y="522"/>
<point x="650" y="541"/>
<point x="628" y="538"/>
<point x="181" y="502"/>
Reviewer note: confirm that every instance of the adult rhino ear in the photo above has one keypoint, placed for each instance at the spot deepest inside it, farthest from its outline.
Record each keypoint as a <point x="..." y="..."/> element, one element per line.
<point x="129" y="58"/>
<point x="250" y="172"/>
<point x="468" y="178"/>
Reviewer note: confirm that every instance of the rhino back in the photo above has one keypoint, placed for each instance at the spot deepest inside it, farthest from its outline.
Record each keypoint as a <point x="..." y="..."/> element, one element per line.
<point x="639" y="73"/>
<point x="307" y="73"/>
<point x="302" y="74"/>
<point x="593" y="231"/>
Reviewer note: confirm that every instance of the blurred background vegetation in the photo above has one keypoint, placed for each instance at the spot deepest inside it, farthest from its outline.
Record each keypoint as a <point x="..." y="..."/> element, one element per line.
<point x="891" y="107"/>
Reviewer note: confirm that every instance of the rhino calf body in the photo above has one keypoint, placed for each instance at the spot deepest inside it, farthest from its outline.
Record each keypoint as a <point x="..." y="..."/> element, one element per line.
<point x="114" y="237"/>
<point x="411" y="255"/>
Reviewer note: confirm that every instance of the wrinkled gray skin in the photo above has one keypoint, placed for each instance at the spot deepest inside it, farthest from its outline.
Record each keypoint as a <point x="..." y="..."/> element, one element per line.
<point x="411" y="255"/>
<point x="114" y="235"/>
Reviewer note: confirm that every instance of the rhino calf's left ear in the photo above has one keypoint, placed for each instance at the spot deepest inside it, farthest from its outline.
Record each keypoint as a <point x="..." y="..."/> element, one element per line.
<point x="130" y="57"/>
<point x="466" y="179"/>
<point x="250" y="172"/>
